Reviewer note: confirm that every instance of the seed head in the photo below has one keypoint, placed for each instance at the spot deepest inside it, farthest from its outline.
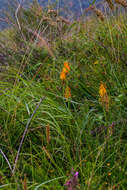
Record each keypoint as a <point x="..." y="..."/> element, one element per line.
<point x="110" y="3"/>
<point x="121" y="2"/>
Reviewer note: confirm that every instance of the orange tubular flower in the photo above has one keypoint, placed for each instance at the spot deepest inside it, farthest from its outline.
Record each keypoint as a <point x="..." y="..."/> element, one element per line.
<point x="66" y="66"/>
<point x="65" y="70"/>
<point x="67" y="92"/>
<point x="102" y="90"/>
<point x="62" y="75"/>
<point x="104" y="99"/>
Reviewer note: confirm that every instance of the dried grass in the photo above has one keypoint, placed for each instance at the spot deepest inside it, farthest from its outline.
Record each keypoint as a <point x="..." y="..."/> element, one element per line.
<point x="110" y="3"/>
<point x="98" y="12"/>
<point x="122" y="3"/>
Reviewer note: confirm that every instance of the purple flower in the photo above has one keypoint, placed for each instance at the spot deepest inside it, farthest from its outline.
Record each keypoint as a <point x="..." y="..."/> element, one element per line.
<point x="72" y="183"/>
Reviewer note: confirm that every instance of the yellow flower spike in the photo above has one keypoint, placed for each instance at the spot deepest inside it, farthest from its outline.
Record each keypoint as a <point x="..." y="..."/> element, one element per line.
<point x="67" y="92"/>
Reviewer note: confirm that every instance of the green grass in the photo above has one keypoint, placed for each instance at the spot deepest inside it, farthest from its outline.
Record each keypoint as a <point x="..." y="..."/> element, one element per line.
<point x="99" y="157"/>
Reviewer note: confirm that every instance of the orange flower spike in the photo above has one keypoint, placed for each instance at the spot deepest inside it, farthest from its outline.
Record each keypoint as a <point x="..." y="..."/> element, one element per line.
<point x="104" y="99"/>
<point x="64" y="70"/>
<point x="62" y="75"/>
<point x="66" y="66"/>
<point x="67" y="93"/>
<point x="102" y="90"/>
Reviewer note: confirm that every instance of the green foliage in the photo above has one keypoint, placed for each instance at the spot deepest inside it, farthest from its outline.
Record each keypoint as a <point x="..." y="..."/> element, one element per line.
<point x="79" y="132"/>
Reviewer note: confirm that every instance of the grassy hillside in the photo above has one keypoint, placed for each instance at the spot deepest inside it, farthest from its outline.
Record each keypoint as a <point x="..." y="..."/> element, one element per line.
<point x="63" y="105"/>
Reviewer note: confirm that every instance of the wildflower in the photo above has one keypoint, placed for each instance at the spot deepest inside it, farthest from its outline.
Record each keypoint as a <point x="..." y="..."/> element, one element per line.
<point x="102" y="90"/>
<point x="67" y="92"/>
<point x="72" y="183"/>
<point x="104" y="99"/>
<point x="65" y="70"/>
<point x="66" y="65"/>
<point x="62" y="75"/>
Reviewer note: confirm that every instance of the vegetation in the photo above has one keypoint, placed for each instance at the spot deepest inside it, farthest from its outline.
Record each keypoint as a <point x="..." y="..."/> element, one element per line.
<point x="63" y="114"/>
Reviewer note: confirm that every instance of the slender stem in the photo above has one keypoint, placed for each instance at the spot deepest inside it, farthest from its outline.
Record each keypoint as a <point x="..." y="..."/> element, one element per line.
<point x="6" y="159"/>
<point x="24" y="134"/>
<point x="16" y="14"/>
